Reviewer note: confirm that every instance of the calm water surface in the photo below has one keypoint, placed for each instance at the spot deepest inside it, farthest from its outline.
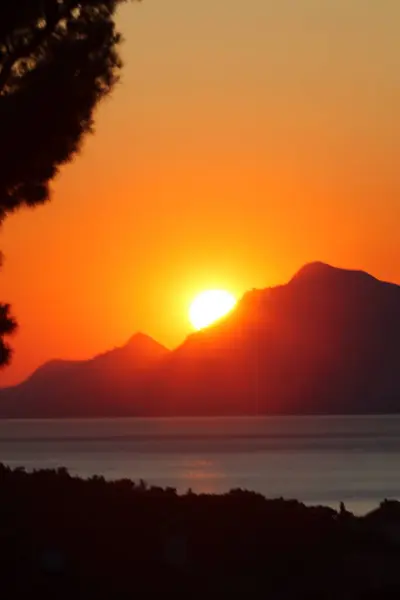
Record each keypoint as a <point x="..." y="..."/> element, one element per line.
<point x="314" y="459"/>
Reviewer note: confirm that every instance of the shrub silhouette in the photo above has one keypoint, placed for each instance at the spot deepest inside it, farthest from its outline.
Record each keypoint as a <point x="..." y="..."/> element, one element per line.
<point x="61" y="536"/>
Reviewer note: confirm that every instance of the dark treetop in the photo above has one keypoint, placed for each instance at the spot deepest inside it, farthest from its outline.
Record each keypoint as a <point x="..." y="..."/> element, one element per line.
<point x="58" y="59"/>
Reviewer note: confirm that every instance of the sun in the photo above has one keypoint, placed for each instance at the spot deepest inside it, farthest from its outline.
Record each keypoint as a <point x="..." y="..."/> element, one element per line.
<point x="210" y="306"/>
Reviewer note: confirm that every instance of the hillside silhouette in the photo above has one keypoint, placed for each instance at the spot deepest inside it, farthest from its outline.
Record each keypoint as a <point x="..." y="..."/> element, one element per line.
<point x="327" y="342"/>
<point x="65" y="537"/>
<point x="107" y="384"/>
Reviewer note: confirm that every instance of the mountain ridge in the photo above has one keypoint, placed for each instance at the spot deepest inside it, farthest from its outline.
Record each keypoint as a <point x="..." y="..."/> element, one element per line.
<point x="327" y="342"/>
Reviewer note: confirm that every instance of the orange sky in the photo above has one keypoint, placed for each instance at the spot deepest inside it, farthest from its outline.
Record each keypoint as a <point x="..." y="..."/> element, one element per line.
<point x="245" y="139"/>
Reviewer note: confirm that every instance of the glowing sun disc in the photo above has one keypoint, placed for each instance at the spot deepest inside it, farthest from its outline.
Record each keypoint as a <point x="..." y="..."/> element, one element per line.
<point x="210" y="306"/>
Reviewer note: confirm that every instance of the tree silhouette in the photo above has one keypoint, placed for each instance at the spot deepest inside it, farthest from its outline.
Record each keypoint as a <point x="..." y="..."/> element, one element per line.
<point x="7" y="327"/>
<point x="58" y="59"/>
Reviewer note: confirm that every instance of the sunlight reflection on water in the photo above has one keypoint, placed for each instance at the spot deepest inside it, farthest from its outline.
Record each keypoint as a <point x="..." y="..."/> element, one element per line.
<point x="202" y="476"/>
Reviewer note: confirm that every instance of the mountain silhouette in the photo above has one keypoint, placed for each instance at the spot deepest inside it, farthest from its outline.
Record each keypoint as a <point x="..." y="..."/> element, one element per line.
<point x="104" y="385"/>
<point x="327" y="342"/>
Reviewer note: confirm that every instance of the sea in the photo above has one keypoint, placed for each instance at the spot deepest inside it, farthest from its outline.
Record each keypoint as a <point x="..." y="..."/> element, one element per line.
<point x="317" y="460"/>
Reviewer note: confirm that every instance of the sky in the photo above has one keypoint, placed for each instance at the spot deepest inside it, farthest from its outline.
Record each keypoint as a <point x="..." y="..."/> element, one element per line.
<point x="244" y="140"/>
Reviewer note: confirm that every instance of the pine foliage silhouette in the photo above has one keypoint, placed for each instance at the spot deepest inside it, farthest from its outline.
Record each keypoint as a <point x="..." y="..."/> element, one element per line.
<point x="7" y="327"/>
<point x="58" y="59"/>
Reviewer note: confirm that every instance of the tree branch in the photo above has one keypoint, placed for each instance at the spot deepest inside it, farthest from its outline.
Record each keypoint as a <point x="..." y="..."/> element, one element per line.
<point x="53" y="16"/>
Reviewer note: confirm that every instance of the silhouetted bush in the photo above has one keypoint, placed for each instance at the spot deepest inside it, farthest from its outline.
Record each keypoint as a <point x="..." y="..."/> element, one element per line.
<point x="64" y="537"/>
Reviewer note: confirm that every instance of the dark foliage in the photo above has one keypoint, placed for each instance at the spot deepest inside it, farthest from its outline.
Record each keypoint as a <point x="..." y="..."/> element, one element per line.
<point x="58" y="59"/>
<point x="64" y="537"/>
<point x="7" y="327"/>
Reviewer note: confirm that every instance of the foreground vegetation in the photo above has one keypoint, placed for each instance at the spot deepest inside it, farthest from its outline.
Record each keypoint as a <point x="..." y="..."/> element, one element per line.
<point x="65" y="537"/>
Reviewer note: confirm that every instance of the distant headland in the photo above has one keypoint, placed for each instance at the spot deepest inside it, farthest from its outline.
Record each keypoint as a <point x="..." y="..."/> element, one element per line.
<point x="327" y="342"/>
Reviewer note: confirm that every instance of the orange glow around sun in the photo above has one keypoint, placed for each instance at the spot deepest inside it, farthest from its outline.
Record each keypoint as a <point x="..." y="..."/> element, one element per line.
<point x="206" y="172"/>
<point x="209" y="306"/>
